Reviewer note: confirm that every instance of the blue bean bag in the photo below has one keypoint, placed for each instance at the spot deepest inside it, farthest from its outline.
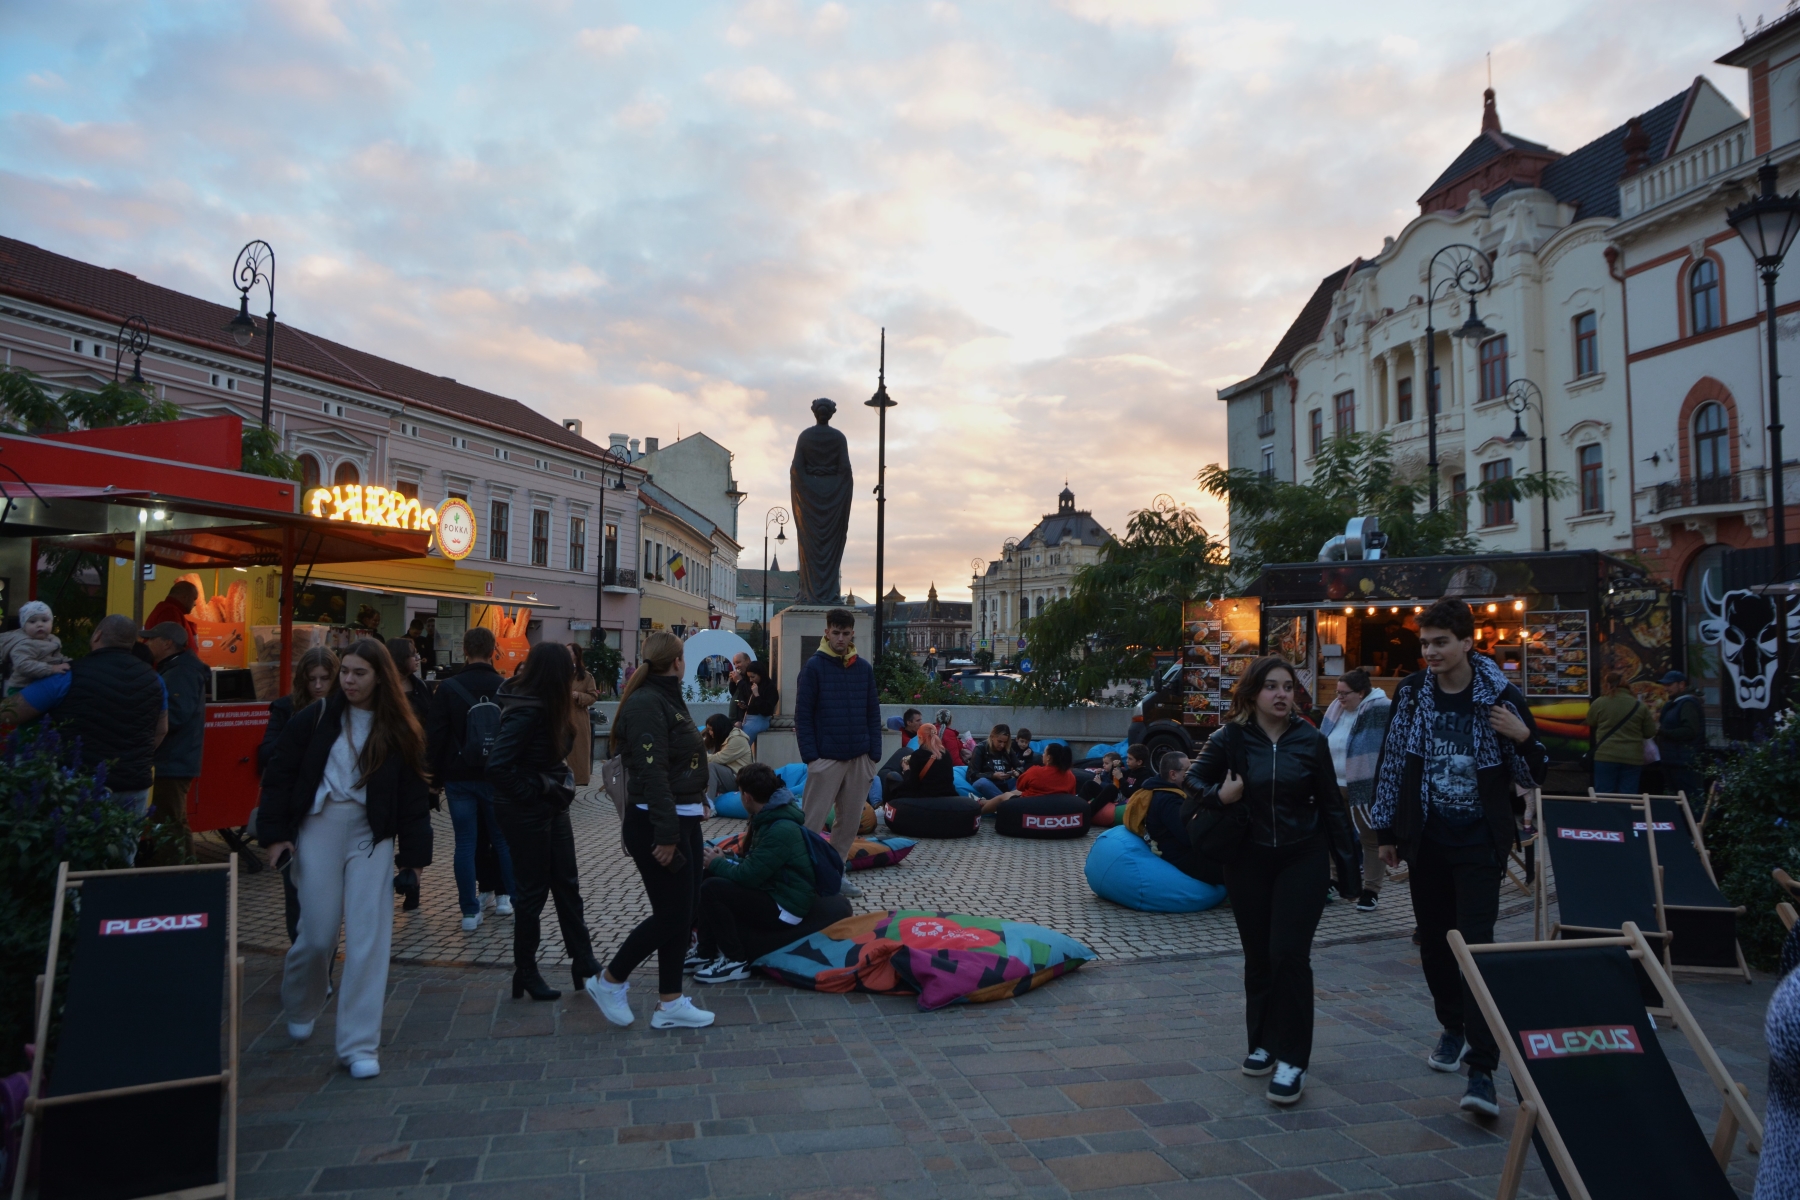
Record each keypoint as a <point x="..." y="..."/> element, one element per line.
<point x="960" y="777"/>
<point x="730" y="804"/>
<point x="1102" y="749"/>
<point x="793" y="777"/>
<point x="1122" y="868"/>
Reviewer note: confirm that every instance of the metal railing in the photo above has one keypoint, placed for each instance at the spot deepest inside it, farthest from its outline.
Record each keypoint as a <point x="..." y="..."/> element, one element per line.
<point x="1686" y="172"/>
<point x="614" y="577"/>
<point x="1739" y="488"/>
<point x="1265" y="424"/>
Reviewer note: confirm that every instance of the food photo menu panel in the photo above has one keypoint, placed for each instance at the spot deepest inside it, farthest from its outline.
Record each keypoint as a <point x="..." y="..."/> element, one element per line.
<point x="1219" y="641"/>
<point x="1558" y="654"/>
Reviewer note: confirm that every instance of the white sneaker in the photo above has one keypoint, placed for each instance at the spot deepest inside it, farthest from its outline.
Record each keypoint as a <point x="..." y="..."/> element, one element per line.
<point x="487" y="900"/>
<point x="471" y="924"/>
<point x="613" y="999"/>
<point x="300" y="1030"/>
<point x="722" y="970"/>
<point x="503" y="906"/>
<point x="849" y="889"/>
<point x="365" y="1068"/>
<point x="679" y="1013"/>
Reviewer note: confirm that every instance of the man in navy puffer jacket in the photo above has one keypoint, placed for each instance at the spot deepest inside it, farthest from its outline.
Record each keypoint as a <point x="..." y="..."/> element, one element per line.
<point x="837" y="720"/>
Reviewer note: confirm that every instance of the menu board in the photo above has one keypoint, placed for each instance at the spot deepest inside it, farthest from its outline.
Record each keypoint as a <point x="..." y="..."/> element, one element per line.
<point x="1558" y="653"/>
<point x="1219" y="641"/>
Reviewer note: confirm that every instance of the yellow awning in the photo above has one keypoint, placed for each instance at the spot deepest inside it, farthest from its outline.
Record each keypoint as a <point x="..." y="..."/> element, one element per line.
<point x="418" y="576"/>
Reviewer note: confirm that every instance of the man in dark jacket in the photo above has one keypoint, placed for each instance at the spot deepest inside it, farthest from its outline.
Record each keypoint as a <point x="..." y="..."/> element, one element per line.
<point x="1461" y="746"/>
<point x="461" y="771"/>
<point x="109" y="708"/>
<point x="1680" y="736"/>
<point x="837" y="720"/>
<point x="187" y="681"/>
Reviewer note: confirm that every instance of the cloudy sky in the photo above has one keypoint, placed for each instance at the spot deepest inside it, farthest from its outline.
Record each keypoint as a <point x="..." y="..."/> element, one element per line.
<point x="1077" y="220"/>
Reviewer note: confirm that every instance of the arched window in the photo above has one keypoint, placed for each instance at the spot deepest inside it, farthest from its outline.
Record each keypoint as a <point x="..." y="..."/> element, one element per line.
<point x="1024" y="607"/>
<point x="1703" y="296"/>
<point x="309" y="473"/>
<point x="1712" y="442"/>
<point x="346" y="473"/>
<point x="1040" y="606"/>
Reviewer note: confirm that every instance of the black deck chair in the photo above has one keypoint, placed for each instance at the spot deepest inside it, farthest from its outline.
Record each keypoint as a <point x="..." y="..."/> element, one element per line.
<point x="1606" y="869"/>
<point x="1597" y="1096"/>
<point x="1702" y="923"/>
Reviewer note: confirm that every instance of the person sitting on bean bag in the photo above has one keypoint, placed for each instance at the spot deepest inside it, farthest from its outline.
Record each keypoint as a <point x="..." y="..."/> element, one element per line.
<point x="1050" y="778"/>
<point x="728" y="751"/>
<point x="927" y="770"/>
<point x="763" y="897"/>
<point x="953" y="741"/>
<point x="1116" y="782"/>
<point x="994" y="768"/>
<point x="1162" y="823"/>
<point x="1027" y="757"/>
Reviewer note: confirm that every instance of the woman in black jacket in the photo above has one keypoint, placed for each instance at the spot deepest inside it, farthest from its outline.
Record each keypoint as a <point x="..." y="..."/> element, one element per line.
<point x="927" y="769"/>
<point x="665" y="764"/>
<point x="315" y="677"/>
<point x="761" y="697"/>
<point x="533" y="787"/>
<point x="1270" y="772"/>
<point x="347" y="782"/>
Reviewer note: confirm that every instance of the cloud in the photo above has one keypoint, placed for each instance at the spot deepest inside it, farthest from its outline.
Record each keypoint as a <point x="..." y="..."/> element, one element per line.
<point x="1076" y="221"/>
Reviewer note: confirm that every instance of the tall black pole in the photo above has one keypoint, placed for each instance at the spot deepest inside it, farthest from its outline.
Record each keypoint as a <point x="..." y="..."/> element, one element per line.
<point x="256" y="264"/>
<point x="765" y="608"/>
<point x="1778" y="501"/>
<point x="1431" y="458"/>
<point x="881" y="402"/>
<point x="1544" y="466"/>
<point x="269" y="358"/>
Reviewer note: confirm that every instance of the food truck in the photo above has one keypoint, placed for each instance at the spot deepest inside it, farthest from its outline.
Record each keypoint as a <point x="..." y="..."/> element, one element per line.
<point x="277" y="573"/>
<point x="1555" y="623"/>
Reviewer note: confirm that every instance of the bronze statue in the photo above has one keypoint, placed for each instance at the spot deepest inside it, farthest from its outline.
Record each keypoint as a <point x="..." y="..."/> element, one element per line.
<point x="821" y="486"/>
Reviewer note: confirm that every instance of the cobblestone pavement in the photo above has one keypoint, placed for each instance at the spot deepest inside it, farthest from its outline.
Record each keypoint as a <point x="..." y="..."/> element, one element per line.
<point x="1015" y="878"/>
<point x="1118" y="1081"/>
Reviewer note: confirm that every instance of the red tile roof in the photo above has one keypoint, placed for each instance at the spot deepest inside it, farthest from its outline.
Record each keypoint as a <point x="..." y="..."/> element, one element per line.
<point x="38" y="275"/>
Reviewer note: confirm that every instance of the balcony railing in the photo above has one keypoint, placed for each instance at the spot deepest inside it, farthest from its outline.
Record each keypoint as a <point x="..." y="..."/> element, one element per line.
<point x="1721" y="491"/>
<point x="1686" y="172"/>
<point x="1265" y="424"/>
<point x="614" y="577"/>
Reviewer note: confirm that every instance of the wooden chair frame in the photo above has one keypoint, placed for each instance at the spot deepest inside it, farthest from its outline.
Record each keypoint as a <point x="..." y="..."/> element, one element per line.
<point x="1589" y="932"/>
<point x="46" y="988"/>
<point x="1535" y="1116"/>
<point x="1785" y="909"/>
<point x="1680" y="800"/>
<point x="1528" y="877"/>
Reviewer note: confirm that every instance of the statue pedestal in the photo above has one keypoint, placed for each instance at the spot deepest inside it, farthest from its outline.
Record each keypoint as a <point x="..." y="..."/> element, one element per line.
<point x="794" y="635"/>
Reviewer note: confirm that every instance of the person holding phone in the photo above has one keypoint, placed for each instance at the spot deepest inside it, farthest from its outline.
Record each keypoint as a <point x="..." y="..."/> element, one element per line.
<point x="665" y="763"/>
<point x="346" y="783"/>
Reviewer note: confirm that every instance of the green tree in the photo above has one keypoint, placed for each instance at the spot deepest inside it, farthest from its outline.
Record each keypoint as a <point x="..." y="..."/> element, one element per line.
<point x="1355" y="475"/>
<point x="262" y="455"/>
<point x="26" y="406"/>
<point x="1122" y="606"/>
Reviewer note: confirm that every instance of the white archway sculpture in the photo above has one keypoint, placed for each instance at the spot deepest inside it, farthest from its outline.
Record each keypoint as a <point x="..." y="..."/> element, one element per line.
<point x="710" y="643"/>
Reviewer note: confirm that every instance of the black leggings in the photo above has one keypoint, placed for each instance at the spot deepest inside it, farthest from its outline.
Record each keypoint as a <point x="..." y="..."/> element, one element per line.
<point x="543" y="859"/>
<point x="667" y="930"/>
<point x="1277" y="894"/>
<point x="743" y="923"/>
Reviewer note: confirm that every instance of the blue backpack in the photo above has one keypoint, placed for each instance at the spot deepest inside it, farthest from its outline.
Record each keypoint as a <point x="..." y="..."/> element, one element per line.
<point x="827" y="863"/>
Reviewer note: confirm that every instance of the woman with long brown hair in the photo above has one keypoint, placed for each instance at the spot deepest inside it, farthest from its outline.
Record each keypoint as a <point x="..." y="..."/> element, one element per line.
<point x="1270" y="773"/>
<point x="532" y="792"/>
<point x="586" y="691"/>
<point x="665" y="763"/>
<point x="347" y="781"/>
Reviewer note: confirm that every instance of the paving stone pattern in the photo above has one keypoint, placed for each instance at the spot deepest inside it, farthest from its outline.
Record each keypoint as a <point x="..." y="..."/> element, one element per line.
<point x="1015" y="878"/>
<point x="1119" y="1081"/>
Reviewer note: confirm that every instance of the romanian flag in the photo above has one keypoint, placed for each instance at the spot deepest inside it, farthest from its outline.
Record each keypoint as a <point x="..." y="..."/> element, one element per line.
<point x="678" y="565"/>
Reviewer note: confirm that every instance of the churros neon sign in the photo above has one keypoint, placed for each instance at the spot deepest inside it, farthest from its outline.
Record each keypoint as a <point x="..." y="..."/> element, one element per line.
<point x="371" y="505"/>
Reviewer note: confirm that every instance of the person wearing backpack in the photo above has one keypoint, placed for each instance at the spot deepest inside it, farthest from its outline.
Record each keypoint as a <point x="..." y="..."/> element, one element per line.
<point x="465" y="721"/>
<point x="1619" y="724"/>
<point x="666" y="775"/>
<point x="774" y="890"/>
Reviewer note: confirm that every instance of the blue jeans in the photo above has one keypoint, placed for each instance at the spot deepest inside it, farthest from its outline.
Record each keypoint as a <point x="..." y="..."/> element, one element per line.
<point x="139" y="803"/>
<point x="1616" y="777"/>
<point x="987" y="789"/>
<point x="754" y="726"/>
<point x="472" y="803"/>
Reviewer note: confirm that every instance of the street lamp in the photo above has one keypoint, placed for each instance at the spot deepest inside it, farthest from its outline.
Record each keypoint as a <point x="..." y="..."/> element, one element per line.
<point x="1767" y="224"/>
<point x="618" y="485"/>
<point x="256" y="264"/>
<point x="133" y="338"/>
<point x="1522" y="395"/>
<point x="880" y="402"/>
<point x="978" y="565"/>
<point x="1011" y="548"/>
<point x="778" y="515"/>
<point x="1471" y="274"/>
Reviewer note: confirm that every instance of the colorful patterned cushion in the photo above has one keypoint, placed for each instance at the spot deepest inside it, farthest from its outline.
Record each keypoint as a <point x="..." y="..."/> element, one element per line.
<point x="868" y="853"/>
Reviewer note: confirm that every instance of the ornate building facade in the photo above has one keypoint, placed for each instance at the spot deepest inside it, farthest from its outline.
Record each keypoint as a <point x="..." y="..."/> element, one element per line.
<point x="1038" y="569"/>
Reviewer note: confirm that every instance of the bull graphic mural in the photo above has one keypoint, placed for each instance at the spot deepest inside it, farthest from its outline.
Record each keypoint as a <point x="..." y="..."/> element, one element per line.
<point x="1742" y="625"/>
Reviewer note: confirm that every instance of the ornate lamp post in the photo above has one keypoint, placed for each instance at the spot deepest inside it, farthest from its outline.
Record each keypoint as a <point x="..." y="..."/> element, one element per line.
<point x="780" y="517"/>
<point x="1013" y="550"/>
<point x="1767" y="224"/>
<point x="256" y="264"/>
<point x="1469" y="273"/>
<point x="602" y="579"/>
<point x="978" y="565"/>
<point x="1523" y="395"/>
<point x="133" y="338"/>
<point x="880" y="402"/>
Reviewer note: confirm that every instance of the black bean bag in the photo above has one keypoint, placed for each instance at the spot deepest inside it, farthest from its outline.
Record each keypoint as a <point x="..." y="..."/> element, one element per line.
<point x="1042" y="817"/>
<point x="933" y="816"/>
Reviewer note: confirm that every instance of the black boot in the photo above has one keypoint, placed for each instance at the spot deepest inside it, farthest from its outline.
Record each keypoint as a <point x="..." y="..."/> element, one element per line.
<point x="533" y="983"/>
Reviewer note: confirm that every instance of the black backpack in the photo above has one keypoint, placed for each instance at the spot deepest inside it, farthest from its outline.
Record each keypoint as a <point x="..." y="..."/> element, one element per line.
<point x="827" y="863"/>
<point x="481" y="725"/>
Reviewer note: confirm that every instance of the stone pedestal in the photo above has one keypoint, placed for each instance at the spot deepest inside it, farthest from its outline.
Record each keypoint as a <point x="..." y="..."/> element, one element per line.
<point x="794" y="634"/>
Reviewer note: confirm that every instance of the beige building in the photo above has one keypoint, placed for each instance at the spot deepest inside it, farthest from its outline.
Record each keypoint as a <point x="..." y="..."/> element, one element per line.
<point x="694" y="475"/>
<point x="687" y="560"/>
<point x="1039" y="570"/>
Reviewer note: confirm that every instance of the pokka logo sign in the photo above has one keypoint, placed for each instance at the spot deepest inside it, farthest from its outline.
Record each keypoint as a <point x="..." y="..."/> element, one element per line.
<point x="1580" y="1040"/>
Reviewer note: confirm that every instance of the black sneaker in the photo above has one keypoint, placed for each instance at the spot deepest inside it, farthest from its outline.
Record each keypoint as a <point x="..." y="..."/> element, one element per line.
<point x="1480" y="1097"/>
<point x="1287" y="1085"/>
<point x="1367" y="901"/>
<point x="1415" y="935"/>
<point x="722" y="970"/>
<point x="1258" y="1062"/>
<point x="1452" y="1048"/>
<point x="695" y="960"/>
